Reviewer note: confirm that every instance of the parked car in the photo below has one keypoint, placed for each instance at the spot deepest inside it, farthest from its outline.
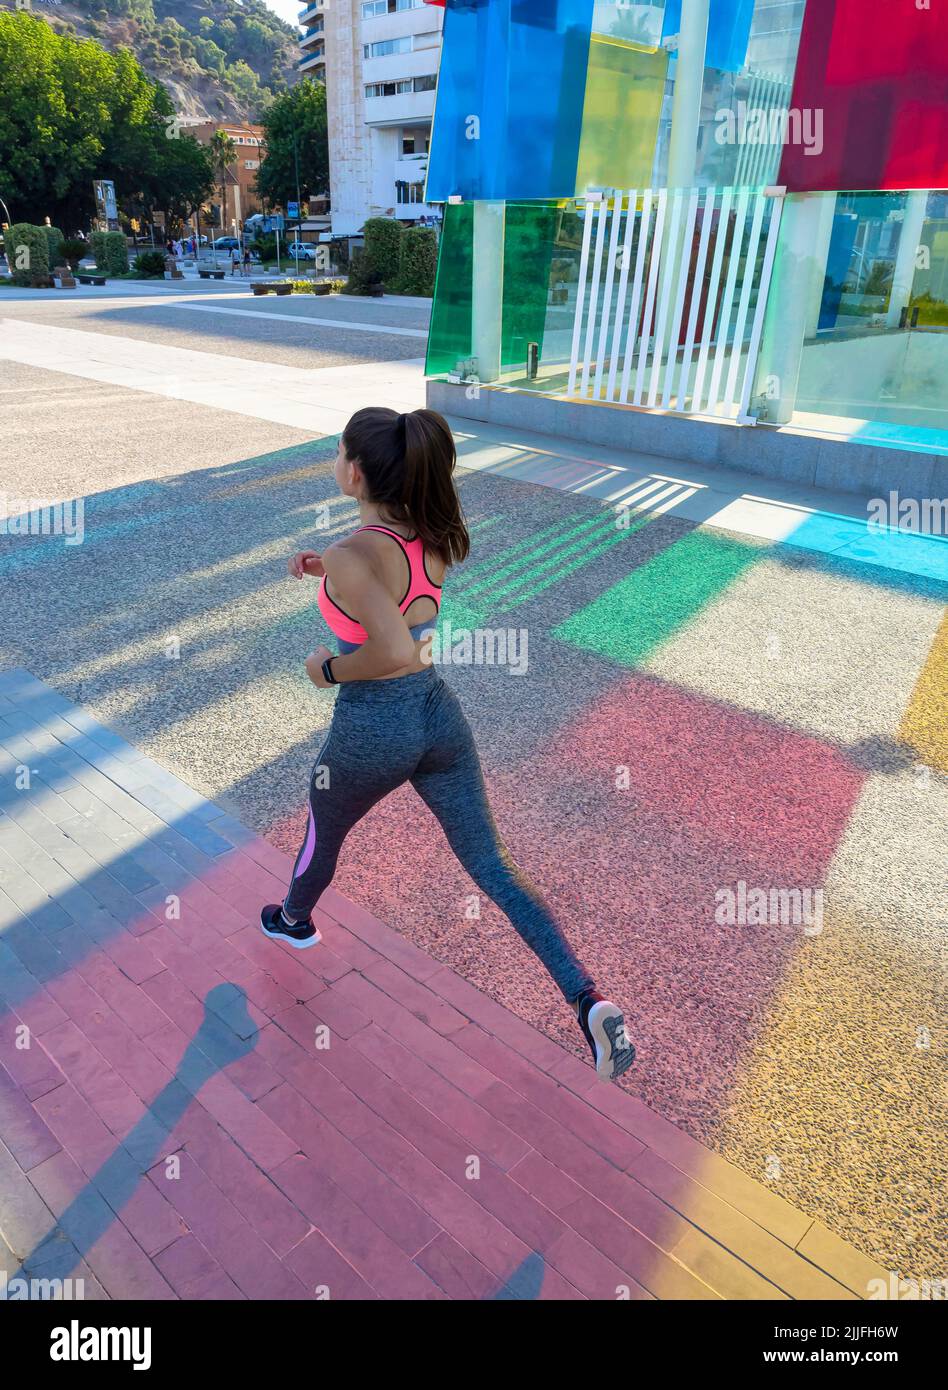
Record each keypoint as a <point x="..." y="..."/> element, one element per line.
<point x="226" y="243"/>
<point x="303" y="249"/>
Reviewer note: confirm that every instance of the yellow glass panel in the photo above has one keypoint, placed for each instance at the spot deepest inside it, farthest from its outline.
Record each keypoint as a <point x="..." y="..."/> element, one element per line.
<point x="625" y="84"/>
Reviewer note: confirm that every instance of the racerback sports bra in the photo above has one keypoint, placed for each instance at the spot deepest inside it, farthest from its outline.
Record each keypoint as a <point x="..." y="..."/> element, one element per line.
<point x="349" y="631"/>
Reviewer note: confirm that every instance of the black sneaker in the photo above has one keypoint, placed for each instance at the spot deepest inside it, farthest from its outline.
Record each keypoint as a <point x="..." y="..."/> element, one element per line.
<point x="300" y="935"/>
<point x="604" y="1029"/>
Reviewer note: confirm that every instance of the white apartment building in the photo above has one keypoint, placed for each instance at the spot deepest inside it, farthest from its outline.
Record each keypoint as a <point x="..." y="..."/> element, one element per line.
<point x="379" y="60"/>
<point x="312" y="41"/>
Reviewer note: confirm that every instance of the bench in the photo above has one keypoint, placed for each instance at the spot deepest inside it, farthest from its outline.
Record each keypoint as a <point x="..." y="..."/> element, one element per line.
<point x="277" y="286"/>
<point x="88" y="277"/>
<point x="211" y="274"/>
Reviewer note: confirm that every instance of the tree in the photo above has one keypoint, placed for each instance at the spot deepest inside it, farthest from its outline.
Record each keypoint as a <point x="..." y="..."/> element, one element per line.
<point x="184" y="179"/>
<point x="298" y="117"/>
<point x="72" y="112"/>
<point x="223" y="153"/>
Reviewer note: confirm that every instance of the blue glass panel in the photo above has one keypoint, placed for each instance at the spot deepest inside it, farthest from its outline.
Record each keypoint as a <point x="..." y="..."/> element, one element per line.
<point x="728" y="31"/>
<point x="510" y="99"/>
<point x="842" y="241"/>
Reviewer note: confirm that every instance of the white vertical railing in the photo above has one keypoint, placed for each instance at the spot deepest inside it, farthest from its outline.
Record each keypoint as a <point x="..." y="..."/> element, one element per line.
<point x="648" y="308"/>
<point x="619" y="315"/>
<point x="633" y="321"/>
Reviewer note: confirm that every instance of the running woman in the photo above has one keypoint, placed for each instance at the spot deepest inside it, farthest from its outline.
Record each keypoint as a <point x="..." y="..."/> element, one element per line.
<point x="395" y="719"/>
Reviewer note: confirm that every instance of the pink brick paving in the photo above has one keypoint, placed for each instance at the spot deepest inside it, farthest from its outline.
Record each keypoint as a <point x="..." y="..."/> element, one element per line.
<point x="208" y="1115"/>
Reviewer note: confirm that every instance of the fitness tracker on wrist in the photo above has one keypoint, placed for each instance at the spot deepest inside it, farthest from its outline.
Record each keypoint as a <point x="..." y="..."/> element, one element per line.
<point x="327" y="671"/>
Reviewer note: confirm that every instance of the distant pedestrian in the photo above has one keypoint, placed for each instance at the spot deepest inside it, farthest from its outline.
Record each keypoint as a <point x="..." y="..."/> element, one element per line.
<point x="246" y="260"/>
<point x="234" y="261"/>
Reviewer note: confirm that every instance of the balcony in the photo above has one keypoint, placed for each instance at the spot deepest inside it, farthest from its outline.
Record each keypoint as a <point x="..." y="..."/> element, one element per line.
<point x="311" y="37"/>
<point x="313" y="62"/>
<point x="311" y="12"/>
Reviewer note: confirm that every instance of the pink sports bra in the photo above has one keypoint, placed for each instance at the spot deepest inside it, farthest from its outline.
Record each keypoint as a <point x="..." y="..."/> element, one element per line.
<point x="351" y="632"/>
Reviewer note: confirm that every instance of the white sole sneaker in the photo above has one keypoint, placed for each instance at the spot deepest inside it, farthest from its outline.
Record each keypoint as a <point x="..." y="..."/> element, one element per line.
<point x="298" y="943"/>
<point x="614" y="1052"/>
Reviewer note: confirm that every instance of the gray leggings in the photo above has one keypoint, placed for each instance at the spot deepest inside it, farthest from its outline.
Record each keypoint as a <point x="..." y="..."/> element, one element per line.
<point x="412" y="729"/>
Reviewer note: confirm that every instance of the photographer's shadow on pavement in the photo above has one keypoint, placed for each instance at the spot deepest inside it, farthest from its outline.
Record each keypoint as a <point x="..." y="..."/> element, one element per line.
<point x="227" y="1033"/>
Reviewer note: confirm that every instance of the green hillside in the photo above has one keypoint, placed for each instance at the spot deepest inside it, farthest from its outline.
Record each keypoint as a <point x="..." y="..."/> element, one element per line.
<point x="216" y="58"/>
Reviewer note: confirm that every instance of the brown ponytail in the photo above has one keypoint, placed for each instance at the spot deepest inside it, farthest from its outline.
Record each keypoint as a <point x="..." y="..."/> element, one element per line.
<point x="408" y="462"/>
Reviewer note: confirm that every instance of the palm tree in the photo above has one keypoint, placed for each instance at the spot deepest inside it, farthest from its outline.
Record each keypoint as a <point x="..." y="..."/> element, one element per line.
<point x="223" y="154"/>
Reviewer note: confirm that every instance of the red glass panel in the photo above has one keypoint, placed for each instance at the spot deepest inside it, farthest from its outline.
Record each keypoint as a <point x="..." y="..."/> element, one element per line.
<point x="878" y="72"/>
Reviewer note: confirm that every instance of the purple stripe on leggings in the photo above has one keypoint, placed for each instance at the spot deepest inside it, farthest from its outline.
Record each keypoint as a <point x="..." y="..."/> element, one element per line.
<point x="309" y="845"/>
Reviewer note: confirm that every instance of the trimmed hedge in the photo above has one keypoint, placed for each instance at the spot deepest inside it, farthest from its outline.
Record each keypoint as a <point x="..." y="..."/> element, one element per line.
<point x="316" y="286"/>
<point x="151" y="264"/>
<point x="361" y="277"/>
<point x="74" y="249"/>
<point x="418" y="260"/>
<point x="97" y="246"/>
<point x="55" y="241"/>
<point x="383" y="237"/>
<point x="27" y="251"/>
<point x="111" y="252"/>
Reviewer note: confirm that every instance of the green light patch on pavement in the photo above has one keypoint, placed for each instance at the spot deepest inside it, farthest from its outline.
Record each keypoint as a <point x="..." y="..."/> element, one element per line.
<point x="544" y="565"/>
<point x="648" y="606"/>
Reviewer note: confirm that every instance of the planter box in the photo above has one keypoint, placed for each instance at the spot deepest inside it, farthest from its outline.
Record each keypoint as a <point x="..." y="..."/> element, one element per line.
<point x="211" y="274"/>
<point x="85" y="278"/>
<point x="283" y="289"/>
<point x="259" y="288"/>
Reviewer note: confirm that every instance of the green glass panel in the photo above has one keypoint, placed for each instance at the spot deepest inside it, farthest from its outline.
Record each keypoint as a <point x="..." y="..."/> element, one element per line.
<point x="449" y="337"/>
<point x="529" y="233"/>
<point x="531" y="288"/>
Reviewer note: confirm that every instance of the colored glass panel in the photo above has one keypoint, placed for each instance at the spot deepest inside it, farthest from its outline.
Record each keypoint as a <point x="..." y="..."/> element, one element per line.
<point x="623" y="106"/>
<point x="729" y="25"/>
<point x="529" y="233"/>
<point x="876" y="73"/>
<point x="838" y="261"/>
<point x="857" y="320"/>
<point x="449" y="336"/>
<point x="533" y="292"/>
<point x="510" y="99"/>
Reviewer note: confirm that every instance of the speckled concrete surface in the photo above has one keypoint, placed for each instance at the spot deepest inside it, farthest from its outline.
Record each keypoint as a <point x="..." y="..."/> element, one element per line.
<point x="288" y="342"/>
<point x="699" y="709"/>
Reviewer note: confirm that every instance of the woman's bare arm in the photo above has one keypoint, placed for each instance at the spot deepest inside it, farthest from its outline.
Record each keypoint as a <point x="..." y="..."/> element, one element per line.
<point x="389" y="645"/>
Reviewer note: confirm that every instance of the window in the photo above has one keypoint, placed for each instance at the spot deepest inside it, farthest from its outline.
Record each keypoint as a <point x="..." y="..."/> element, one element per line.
<point x="387" y="89"/>
<point x="251" y="163"/>
<point x="387" y="46"/>
<point x="372" y="8"/>
<point x="408" y="84"/>
<point x="408" y="145"/>
<point x="409" y="192"/>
